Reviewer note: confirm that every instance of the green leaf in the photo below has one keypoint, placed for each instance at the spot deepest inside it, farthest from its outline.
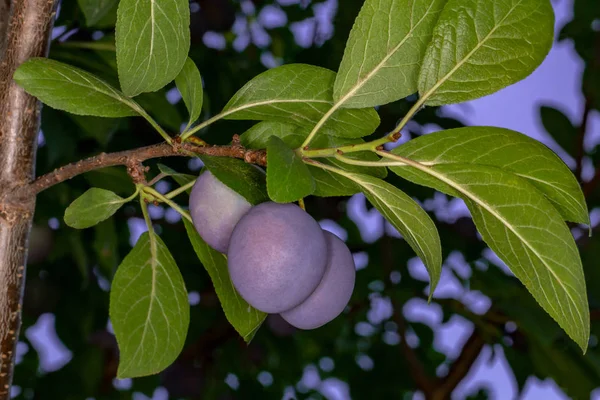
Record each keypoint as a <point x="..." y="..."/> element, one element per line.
<point x="106" y="247"/>
<point x="93" y="207"/>
<point x="560" y="127"/>
<point x="189" y="84"/>
<point x="329" y="184"/>
<point x="245" y="179"/>
<point x="526" y="232"/>
<point x="149" y="309"/>
<point x="258" y="136"/>
<point x="153" y="40"/>
<point x="508" y="150"/>
<point x="96" y="11"/>
<point x="288" y="178"/>
<point x="71" y="89"/>
<point x="243" y="317"/>
<point x="99" y="128"/>
<point x="180" y="178"/>
<point x="407" y="217"/>
<point x="384" y="51"/>
<point x="481" y="46"/>
<point x="300" y="94"/>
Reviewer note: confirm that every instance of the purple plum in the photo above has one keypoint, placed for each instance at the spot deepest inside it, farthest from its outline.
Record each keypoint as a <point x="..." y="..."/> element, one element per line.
<point x="215" y="210"/>
<point x="276" y="256"/>
<point x="333" y="293"/>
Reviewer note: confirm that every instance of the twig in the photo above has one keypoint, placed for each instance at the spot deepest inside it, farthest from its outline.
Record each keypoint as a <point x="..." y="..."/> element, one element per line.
<point x="417" y="371"/>
<point x="460" y="368"/>
<point x="131" y="158"/>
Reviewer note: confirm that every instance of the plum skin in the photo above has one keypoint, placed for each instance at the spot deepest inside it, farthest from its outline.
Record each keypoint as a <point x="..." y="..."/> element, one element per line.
<point x="276" y="256"/>
<point x="333" y="293"/>
<point x="215" y="210"/>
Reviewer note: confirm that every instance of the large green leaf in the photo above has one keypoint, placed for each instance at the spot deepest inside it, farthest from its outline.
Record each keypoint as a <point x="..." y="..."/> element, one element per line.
<point x="153" y="40"/>
<point x="149" y="309"/>
<point x="406" y="216"/>
<point x="288" y="178"/>
<point x="243" y="317"/>
<point x="526" y="232"/>
<point x="258" y="136"/>
<point x="384" y="51"/>
<point x="505" y="149"/>
<point x="189" y="84"/>
<point x="71" y="89"/>
<point x="481" y="46"/>
<point x="300" y="94"/>
<point x="96" y="11"/>
<point x="93" y="207"/>
<point x="246" y="179"/>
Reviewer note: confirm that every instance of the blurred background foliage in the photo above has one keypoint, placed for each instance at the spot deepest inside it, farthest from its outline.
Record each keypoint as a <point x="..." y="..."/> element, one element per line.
<point x="388" y="345"/>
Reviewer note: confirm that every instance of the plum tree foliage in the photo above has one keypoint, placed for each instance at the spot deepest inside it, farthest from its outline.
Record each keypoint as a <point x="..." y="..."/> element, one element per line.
<point x="317" y="134"/>
<point x="277" y="256"/>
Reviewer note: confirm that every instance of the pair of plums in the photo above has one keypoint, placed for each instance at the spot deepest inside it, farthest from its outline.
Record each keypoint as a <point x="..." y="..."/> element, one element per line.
<point x="279" y="259"/>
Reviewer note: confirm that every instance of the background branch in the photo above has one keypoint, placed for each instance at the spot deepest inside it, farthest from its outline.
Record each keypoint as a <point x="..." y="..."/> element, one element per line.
<point x="30" y="23"/>
<point x="460" y="368"/>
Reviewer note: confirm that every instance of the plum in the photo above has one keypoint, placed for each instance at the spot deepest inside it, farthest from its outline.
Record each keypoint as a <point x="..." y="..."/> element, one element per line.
<point x="215" y="210"/>
<point x="333" y="293"/>
<point x="276" y="256"/>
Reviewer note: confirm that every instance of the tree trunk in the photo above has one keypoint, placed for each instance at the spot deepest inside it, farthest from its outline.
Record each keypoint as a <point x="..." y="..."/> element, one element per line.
<point x="28" y="33"/>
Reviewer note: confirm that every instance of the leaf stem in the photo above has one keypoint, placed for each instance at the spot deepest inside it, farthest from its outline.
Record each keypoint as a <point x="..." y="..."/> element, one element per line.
<point x="88" y="45"/>
<point x="185" y="135"/>
<point x="413" y="110"/>
<point x="144" y="205"/>
<point x="157" y="178"/>
<point x="301" y="204"/>
<point x="180" y="189"/>
<point x="152" y="122"/>
<point x="320" y="124"/>
<point x="169" y="202"/>
<point x="351" y="148"/>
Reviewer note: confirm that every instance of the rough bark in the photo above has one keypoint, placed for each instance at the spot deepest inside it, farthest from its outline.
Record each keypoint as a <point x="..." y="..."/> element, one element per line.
<point x="4" y="14"/>
<point x="28" y="33"/>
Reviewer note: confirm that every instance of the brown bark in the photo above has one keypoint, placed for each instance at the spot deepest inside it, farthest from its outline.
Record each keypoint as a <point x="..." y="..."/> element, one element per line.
<point x="28" y="33"/>
<point x="4" y="14"/>
<point x="133" y="158"/>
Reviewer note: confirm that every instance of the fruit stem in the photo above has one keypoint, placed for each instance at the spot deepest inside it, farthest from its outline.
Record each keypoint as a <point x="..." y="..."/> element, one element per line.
<point x="157" y="195"/>
<point x="180" y="189"/>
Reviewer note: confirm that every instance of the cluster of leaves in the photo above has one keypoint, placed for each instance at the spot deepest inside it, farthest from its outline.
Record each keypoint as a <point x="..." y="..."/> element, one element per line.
<point x="518" y="192"/>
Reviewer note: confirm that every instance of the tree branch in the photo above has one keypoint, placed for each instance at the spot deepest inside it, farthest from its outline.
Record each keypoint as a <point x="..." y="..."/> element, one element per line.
<point x="28" y="35"/>
<point x="131" y="158"/>
<point x="460" y="368"/>
<point x="4" y="19"/>
<point x="417" y="371"/>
